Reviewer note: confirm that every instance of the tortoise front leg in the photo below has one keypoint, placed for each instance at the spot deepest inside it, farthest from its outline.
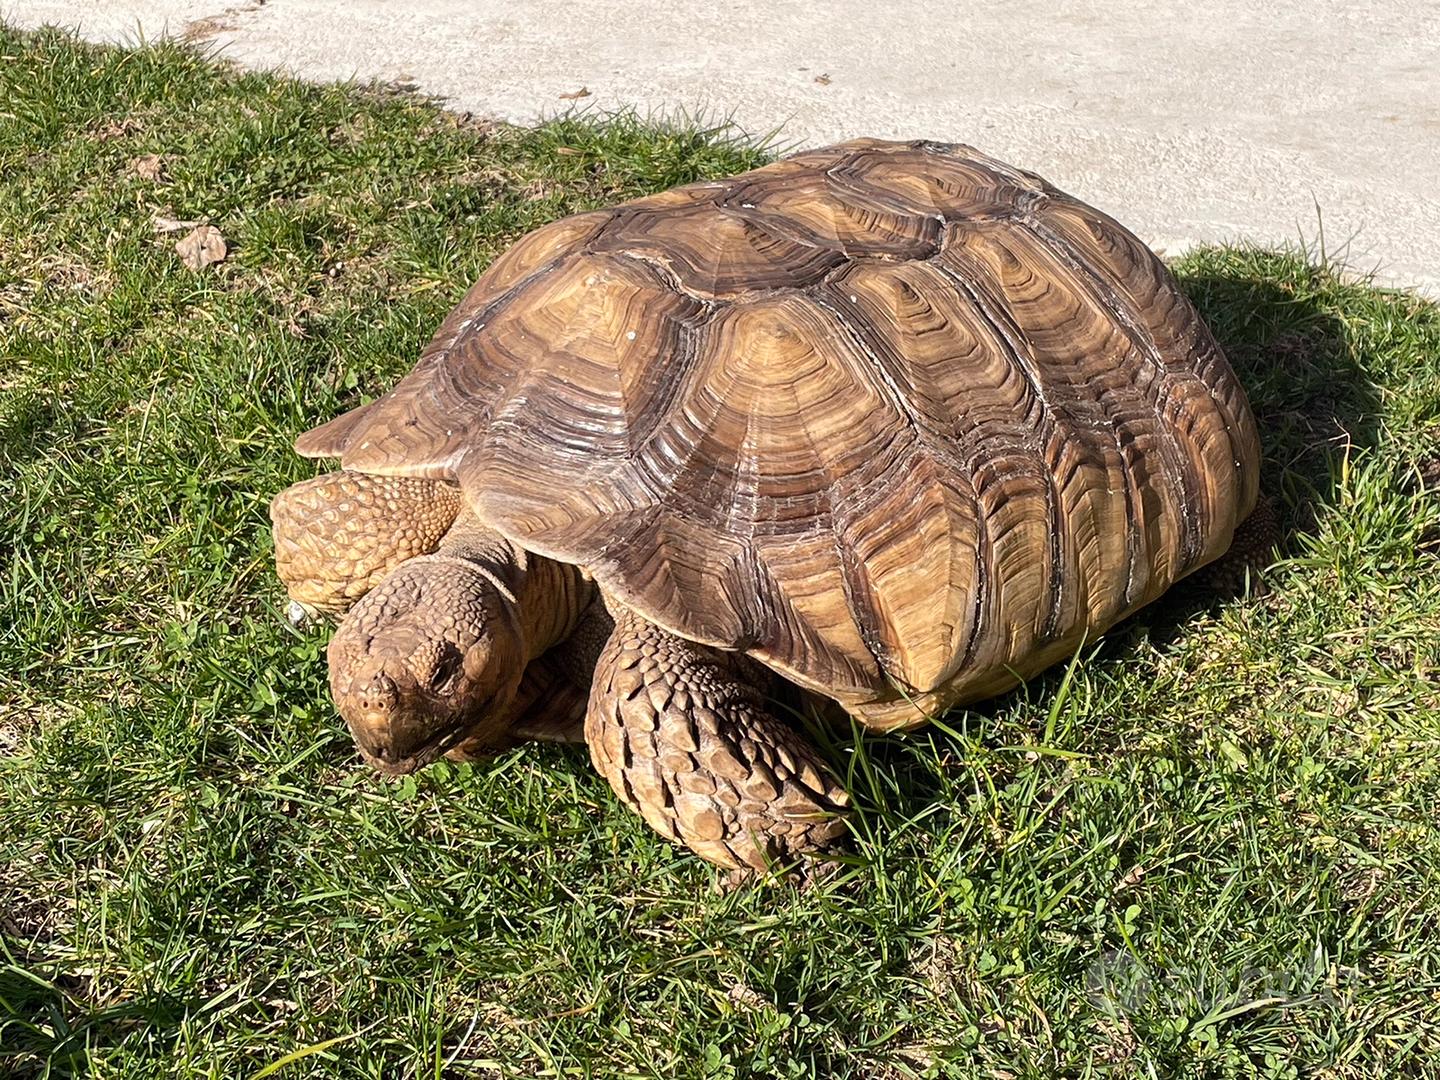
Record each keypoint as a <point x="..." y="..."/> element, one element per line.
<point x="339" y="535"/>
<point x="548" y="707"/>
<point x="685" y="737"/>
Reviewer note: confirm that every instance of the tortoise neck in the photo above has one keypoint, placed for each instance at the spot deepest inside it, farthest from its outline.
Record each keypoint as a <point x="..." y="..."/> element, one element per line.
<point x="548" y="597"/>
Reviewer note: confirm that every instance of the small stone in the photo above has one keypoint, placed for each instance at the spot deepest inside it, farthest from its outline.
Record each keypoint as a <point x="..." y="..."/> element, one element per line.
<point x="746" y="998"/>
<point x="148" y="167"/>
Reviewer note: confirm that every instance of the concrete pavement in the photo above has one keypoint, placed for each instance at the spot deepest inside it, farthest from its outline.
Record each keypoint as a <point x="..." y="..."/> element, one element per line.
<point x="1188" y="121"/>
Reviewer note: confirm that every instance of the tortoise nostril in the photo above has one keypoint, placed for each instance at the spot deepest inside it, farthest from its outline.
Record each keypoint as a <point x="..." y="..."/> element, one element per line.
<point x="380" y="695"/>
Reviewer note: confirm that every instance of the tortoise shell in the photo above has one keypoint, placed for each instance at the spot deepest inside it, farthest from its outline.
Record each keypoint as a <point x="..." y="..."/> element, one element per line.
<point x="901" y="421"/>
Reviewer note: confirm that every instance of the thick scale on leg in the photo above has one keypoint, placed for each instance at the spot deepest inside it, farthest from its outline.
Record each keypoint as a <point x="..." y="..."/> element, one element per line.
<point x="1253" y="549"/>
<point x="686" y="739"/>
<point x="337" y="536"/>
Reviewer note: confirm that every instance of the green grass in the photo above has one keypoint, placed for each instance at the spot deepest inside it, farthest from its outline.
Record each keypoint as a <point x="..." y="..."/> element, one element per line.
<point x="1213" y="852"/>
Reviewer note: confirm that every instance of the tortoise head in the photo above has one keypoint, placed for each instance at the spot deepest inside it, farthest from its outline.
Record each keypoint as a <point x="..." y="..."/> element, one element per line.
<point x="429" y="659"/>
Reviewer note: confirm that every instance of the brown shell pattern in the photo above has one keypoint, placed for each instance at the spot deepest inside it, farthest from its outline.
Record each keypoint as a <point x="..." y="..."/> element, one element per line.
<point x="897" y="419"/>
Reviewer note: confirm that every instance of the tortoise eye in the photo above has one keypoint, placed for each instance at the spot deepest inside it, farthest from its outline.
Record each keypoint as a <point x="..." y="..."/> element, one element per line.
<point x="447" y="667"/>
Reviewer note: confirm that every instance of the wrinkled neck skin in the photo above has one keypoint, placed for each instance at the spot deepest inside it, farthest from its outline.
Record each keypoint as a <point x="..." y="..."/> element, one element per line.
<point x="547" y="597"/>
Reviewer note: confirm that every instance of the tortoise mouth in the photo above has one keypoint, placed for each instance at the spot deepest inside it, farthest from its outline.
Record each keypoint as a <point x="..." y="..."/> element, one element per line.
<point x="428" y="753"/>
<point x="431" y="749"/>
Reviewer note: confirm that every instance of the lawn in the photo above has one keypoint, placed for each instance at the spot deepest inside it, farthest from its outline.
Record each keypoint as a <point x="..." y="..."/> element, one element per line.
<point x="1212" y="851"/>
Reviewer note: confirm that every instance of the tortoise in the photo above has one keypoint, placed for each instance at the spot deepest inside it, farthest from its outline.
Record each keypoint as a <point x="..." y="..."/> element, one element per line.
<point x="892" y="425"/>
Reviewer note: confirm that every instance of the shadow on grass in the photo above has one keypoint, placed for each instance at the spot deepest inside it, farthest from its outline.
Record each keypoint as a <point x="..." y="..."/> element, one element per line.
<point x="1312" y="394"/>
<point x="1312" y="397"/>
<point x="29" y="429"/>
<point x="47" y="1026"/>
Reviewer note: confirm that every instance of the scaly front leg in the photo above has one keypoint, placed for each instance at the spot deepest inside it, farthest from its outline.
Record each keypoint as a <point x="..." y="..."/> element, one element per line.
<point x="686" y="738"/>
<point x="339" y="535"/>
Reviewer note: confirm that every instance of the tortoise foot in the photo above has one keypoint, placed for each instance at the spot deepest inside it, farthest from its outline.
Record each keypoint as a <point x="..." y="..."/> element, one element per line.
<point x="686" y="738"/>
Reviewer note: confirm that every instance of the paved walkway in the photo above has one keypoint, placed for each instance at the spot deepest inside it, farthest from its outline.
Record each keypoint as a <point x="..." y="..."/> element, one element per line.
<point x="1189" y="121"/>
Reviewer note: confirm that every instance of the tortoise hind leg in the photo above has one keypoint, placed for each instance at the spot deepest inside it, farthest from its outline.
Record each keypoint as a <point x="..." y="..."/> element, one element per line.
<point x="1251" y="551"/>
<point x="340" y="534"/>
<point x="685" y="737"/>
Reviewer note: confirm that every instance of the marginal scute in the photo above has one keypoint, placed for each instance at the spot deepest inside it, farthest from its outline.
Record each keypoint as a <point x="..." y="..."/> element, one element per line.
<point x="899" y="420"/>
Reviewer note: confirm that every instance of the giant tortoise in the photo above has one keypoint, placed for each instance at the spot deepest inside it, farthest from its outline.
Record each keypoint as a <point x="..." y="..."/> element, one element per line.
<point x="891" y="425"/>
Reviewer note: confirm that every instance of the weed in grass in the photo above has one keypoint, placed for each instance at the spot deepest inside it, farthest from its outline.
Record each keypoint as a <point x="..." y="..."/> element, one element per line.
<point x="1206" y="849"/>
